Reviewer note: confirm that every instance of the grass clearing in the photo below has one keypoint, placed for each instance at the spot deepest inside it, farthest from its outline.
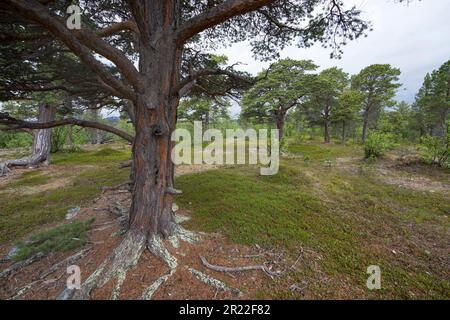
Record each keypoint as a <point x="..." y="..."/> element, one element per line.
<point x="349" y="217"/>
<point x="21" y="214"/>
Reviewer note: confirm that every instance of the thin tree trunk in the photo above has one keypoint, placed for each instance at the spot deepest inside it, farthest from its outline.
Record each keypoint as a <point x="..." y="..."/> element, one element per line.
<point x="343" y="132"/>
<point x="69" y="139"/>
<point x="279" y="121"/>
<point x="40" y="151"/>
<point x="42" y="137"/>
<point x="326" y="134"/>
<point x="94" y="134"/>
<point x="365" y="126"/>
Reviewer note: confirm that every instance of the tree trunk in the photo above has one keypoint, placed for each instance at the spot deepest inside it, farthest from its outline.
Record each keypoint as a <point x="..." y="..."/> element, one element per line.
<point x="279" y="120"/>
<point x="43" y="137"/>
<point x="326" y="132"/>
<point x="40" y="151"/>
<point x="69" y="139"/>
<point x="365" y="126"/>
<point x="94" y="134"/>
<point x="155" y="120"/>
<point x="343" y="132"/>
<point x="443" y="130"/>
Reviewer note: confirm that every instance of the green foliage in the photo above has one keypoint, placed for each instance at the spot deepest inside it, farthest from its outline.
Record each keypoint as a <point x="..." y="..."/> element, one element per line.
<point x="398" y="121"/>
<point x="378" y="84"/>
<point x="62" y="238"/>
<point x="10" y="140"/>
<point x="377" y="144"/>
<point x="209" y="111"/>
<point x="436" y="150"/>
<point x="278" y="89"/>
<point x="126" y="126"/>
<point x="29" y="179"/>
<point x="432" y="103"/>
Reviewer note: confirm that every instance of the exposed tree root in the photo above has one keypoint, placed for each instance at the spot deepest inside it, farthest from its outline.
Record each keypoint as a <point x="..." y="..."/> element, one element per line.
<point x="124" y="257"/>
<point x="68" y="261"/>
<point x="127" y="255"/>
<point x="21" y="264"/>
<point x="220" y="285"/>
<point x="126" y="164"/>
<point x="239" y="269"/>
<point x="31" y="161"/>
<point x="118" y="187"/>
<point x="24" y="289"/>
<point x="4" y="169"/>
<point x="54" y="268"/>
<point x="156" y="246"/>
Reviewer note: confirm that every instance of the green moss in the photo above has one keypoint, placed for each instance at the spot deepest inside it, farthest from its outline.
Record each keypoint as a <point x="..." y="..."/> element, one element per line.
<point x="28" y="179"/>
<point x="92" y="157"/>
<point x="62" y="238"/>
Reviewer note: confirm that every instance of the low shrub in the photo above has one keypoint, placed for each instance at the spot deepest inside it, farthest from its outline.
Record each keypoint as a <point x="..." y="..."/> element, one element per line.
<point x="377" y="144"/>
<point x="435" y="150"/>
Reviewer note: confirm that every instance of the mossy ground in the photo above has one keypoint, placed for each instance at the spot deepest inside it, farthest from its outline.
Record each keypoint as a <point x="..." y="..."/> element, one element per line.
<point x="84" y="174"/>
<point x="326" y="200"/>
<point x="347" y="215"/>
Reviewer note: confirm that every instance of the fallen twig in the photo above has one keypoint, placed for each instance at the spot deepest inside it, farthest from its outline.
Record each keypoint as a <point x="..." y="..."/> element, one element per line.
<point x="104" y="189"/>
<point x="68" y="260"/>
<point x="21" y="264"/>
<point x="239" y="269"/>
<point x="125" y="164"/>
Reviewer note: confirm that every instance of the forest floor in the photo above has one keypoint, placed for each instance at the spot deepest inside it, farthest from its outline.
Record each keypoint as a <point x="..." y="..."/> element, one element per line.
<point x="322" y="220"/>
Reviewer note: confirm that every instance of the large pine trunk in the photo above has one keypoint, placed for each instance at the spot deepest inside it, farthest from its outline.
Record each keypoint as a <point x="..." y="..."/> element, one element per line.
<point x="155" y="120"/>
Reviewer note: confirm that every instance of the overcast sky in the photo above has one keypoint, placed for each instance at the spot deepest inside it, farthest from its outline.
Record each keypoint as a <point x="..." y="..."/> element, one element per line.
<point x="414" y="38"/>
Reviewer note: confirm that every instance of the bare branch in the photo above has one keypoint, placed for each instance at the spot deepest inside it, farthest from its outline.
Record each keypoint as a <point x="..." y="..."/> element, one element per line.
<point x="117" y="27"/>
<point x="15" y="124"/>
<point x="217" y="15"/>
